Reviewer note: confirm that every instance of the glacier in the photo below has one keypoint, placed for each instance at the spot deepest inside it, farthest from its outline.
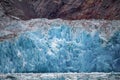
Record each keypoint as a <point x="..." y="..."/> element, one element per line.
<point x="49" y="46"/>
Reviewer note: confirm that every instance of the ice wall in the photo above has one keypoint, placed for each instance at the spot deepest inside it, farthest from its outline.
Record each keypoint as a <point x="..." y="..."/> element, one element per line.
<point x="60" y="46"/>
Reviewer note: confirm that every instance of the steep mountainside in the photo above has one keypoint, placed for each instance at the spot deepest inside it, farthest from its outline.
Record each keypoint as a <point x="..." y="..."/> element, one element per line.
<point x="65" y="9"/>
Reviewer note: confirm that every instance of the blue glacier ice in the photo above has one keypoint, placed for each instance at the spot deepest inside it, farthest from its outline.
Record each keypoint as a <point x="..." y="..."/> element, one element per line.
<point x="60" y="49"/>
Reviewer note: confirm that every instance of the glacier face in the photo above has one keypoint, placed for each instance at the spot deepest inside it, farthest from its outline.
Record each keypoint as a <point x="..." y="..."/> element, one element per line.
<point x="60" y="48"/>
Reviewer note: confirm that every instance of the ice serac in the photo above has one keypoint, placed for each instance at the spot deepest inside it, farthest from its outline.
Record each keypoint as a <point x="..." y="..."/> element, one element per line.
<point x="42" y="45"/>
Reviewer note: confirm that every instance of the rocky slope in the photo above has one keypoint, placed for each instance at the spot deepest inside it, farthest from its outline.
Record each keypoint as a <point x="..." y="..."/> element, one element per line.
<point x="65" y="9"/>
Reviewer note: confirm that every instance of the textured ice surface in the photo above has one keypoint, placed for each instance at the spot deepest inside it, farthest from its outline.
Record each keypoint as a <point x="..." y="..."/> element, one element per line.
<point x="56" y="46"/>
<point x="61" y="76"/>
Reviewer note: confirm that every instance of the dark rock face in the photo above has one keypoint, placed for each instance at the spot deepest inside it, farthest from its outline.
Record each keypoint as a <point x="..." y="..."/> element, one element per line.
<point x="65" y="9"/>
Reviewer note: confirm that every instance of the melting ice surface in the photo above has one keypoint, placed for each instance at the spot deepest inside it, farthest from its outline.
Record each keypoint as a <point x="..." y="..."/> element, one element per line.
<point x="60" y="49"/>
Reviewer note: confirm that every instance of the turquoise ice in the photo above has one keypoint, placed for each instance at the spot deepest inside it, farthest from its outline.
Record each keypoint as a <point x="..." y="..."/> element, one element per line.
<point x="60" y="49"/>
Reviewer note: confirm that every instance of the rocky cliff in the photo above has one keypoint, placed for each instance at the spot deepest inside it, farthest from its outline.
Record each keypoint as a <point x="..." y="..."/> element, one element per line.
<point x="65" y="9"/>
